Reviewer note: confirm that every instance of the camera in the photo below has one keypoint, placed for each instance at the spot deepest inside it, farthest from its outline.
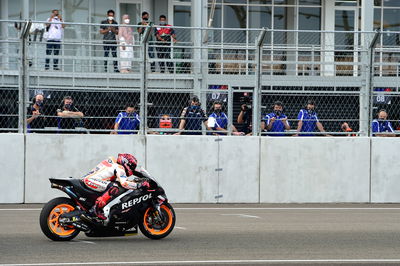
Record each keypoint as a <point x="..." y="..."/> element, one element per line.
<point x="247" y="102"/>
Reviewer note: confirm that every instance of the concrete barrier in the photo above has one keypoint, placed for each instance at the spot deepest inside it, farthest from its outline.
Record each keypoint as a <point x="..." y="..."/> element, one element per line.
<point x="199" y="169"/>
<point x="185" y="166"/>
<point x="314" y="169"/>
<point x="385" y="170"/>
<point x="62" y="156"/>
<point x="12" y="168"/>
<point x="239" y="159"/>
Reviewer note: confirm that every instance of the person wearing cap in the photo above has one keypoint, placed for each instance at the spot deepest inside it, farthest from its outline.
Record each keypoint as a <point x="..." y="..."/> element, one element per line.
<point x="275" y="122"/>
<point x="308" y="120"/>
<point x="191" y="119"/>
<point x="127" y="121"/>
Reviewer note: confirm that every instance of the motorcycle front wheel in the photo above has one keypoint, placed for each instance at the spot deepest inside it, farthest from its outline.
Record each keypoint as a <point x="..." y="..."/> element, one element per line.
<point x="156" y="226"/>
<point x="49" y="219"/>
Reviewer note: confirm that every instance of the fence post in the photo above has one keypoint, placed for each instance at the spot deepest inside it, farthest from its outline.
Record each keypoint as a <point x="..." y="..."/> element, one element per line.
<point x="23" y="78"/>
<point x="257" y="88"/>
<point x="143" y="83"/>
<point x="366" y="93"/>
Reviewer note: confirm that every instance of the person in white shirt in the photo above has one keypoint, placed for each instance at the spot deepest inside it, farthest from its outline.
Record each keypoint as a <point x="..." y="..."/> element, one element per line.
<point x="54" y="36"/>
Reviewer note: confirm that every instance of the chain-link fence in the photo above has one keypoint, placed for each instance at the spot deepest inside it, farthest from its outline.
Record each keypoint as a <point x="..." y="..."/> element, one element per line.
<point x="162" y="80"/>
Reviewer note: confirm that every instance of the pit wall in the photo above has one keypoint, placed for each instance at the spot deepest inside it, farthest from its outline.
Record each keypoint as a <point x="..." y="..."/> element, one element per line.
<point x="211" y="169"/>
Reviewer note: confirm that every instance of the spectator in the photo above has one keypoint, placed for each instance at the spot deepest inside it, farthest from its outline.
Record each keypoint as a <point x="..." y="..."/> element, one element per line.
<point x="109" y="38"/>
<point x="36" y="115"/>
<point x="145" y="21"/>
<point x="245" y="116"/>
<point x="54" y="36"/>
<point x="164" y="35"/>
<point x="191" y="118"/>
<point x="126" y="41"/>
<point x="308" y="120"/>
<point x="381" y="127"/>
<point x="346" y="128"/>
<point x="69" y="117"/>
<point x="218" y="121"/>
<point x="276" y="121"/>
<point x="127" y="121"/>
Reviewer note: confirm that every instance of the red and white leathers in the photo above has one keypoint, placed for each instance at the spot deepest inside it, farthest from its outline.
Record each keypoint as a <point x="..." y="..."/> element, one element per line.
<point x="106" y="172"/>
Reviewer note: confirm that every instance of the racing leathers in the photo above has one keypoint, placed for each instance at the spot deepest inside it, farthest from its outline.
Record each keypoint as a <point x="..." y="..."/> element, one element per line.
<point x="105" y="178"/>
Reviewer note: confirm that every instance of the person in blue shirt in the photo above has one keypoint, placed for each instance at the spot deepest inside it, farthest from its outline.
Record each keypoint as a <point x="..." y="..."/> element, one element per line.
<point x="218" y="121"/>
<point x="127" y="122"/>
<point x="308" y="120"/>
<point x="276" y="121"/>
<point x="381" y="127"/>
<point x="191" y="118"/>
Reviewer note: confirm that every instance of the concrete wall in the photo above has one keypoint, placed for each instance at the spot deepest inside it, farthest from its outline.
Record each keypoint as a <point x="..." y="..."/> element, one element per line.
<point x="314" y="169"/>
<point x="385" y="170"/>
<point x="212" y="169"/>
<point x="12" y="168"/>
<point x="62" y="156"/>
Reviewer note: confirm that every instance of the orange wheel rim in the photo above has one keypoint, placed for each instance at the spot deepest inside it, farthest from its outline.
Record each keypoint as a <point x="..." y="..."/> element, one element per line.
<point x="53" y="223"/>
<point x="149" y="227"/>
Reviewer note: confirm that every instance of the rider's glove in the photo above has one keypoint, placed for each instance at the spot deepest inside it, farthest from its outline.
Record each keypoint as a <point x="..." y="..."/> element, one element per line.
<point x="144" y="184"/>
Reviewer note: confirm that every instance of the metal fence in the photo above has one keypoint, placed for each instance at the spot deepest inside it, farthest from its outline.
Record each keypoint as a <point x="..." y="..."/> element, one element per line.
<point x="145" y="86"/>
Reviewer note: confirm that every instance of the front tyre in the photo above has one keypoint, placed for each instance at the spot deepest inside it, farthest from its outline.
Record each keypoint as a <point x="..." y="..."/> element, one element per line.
<point x="49" y="222"/>
<point x="155" y="227"/>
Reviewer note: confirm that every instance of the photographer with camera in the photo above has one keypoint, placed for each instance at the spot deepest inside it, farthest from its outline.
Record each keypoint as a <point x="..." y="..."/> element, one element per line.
<point x="245" y="116"/>
<point x="54" y="35"/>
<point x="69" y="117"/>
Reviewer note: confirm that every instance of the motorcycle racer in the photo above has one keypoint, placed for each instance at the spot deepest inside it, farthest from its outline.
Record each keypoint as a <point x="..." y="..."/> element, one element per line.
<point x="106" y="176"/>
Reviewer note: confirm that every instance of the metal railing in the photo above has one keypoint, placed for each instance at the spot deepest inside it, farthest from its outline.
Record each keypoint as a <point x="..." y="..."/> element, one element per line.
<point x="348" y="79"/>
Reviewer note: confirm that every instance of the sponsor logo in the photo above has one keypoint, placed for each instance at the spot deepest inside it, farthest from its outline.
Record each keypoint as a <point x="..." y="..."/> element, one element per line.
<point x="135" y="201"/>
<point x="82" y="199"/>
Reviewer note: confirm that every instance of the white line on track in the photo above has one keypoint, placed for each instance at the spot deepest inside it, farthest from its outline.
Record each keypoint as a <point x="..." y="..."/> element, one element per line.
<point x="241" y="215"/>
<point x="179" y="227"/>
<point x="82" y="241"/>
<point x="251" y="208"/>
<point x="177" y="262"/>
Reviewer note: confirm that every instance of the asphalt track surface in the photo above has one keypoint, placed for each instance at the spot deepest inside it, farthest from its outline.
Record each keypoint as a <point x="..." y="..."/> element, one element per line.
<point x="221" y="234"/>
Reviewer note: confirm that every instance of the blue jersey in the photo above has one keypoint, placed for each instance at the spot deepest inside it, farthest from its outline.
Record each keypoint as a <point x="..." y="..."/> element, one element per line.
<point x="127" y="122"/>
<point x="277" y="126"/>
<point x="379" y="126"/>
<point x="221" y="120"/>
<point x="309" y="119"/>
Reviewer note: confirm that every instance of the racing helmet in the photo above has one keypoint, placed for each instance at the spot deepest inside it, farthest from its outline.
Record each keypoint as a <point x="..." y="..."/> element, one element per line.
<point x="128" y="161"/>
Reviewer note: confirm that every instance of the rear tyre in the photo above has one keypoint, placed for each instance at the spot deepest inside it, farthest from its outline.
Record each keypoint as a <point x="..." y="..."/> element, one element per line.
<point x="155" y="228"/>
<point x="49" y="219"/>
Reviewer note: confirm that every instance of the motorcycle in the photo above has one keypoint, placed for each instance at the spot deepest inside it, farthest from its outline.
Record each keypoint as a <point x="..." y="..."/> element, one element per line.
<point x="62" y="219"/>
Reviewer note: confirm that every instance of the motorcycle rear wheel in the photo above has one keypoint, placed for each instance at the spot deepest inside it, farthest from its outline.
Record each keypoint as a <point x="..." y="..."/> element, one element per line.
<point x="154" y="229"/>
<point x="49" y="219"/>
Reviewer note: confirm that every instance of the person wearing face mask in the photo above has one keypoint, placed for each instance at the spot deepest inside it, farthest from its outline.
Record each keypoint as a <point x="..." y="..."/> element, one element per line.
<point x="218" y="121"/>
<point x="68" y="116"/>
<point x="308" y="120"/>
<point x="36" y="118"/>
<point x="54" y="34"/>
<point x="381" y="127"/>
<point x="127" y="122"/>
<point x="110" y="32"/>
<point x="126" y="41"/>
<point x="275" y="122"/>
<point x="144" y="22"/>
<point x="164" y="35"/>
<point x="191" y="118"/>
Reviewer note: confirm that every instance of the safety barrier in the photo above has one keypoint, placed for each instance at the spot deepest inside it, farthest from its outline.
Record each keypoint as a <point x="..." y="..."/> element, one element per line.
<point x="212" y="169"/>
